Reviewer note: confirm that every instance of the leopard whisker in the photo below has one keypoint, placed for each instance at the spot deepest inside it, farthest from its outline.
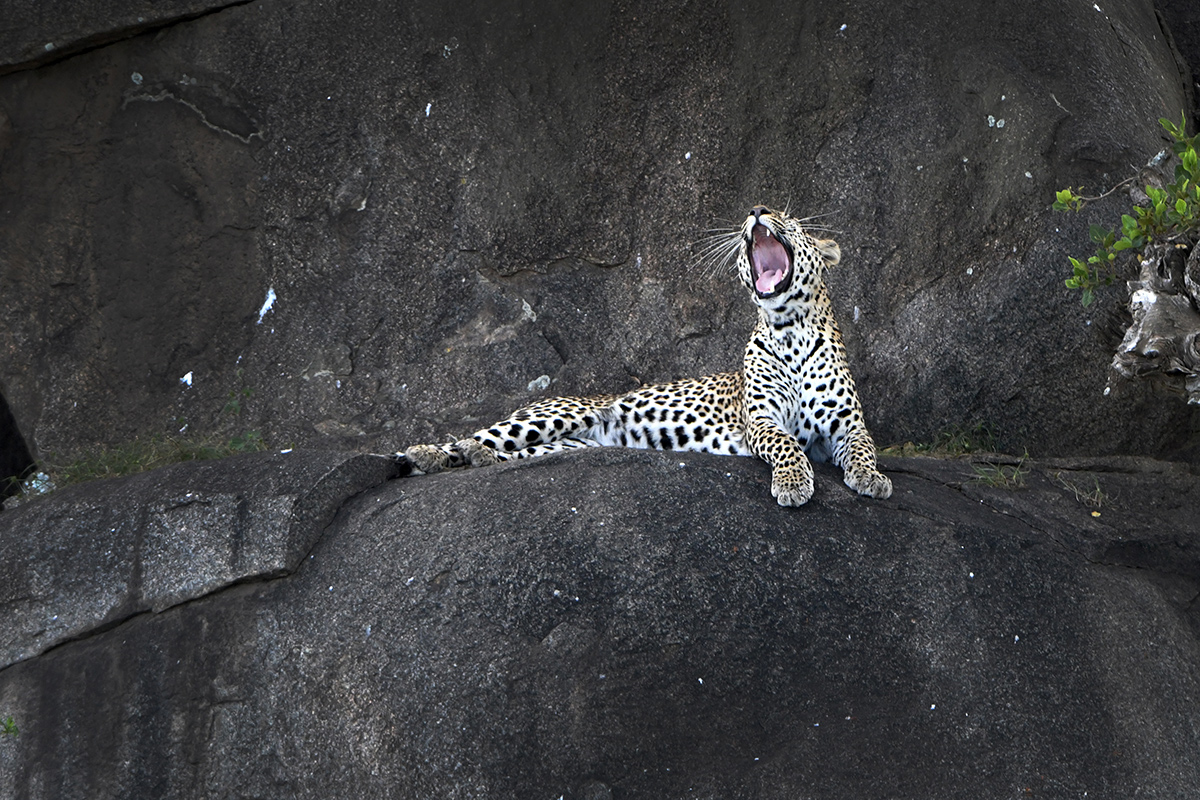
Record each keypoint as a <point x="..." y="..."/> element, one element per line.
<point x="718" y="252"/>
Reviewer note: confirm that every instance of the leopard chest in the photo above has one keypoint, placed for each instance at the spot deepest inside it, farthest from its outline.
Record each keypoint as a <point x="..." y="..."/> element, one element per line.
<point x="796" y="374"/>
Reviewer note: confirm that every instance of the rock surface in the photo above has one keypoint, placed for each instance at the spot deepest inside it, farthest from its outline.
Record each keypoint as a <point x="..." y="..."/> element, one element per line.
<point x="365" y="224"/>
<point x="625" y="624"/>
<point x="456" y="205"/>
<point x="103" y="551"/>
<point x="15" y="459"/>
<point x="32" y="35"/>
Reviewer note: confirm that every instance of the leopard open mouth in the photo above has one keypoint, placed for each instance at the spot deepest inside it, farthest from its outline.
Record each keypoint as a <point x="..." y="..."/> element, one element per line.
<point x="771" y="262"/>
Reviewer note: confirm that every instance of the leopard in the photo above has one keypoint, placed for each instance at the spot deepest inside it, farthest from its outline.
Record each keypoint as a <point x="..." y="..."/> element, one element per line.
<point x="793" y="397"/>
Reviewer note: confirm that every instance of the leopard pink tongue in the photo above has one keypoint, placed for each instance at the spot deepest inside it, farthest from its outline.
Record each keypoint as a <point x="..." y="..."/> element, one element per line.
<point x="767" y="281"/>
<point x="770" y="261"/>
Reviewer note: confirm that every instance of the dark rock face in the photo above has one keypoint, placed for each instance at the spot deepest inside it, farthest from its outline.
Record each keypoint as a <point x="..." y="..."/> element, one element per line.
<point x="450" y="202"/>
<point x="368" y="224"/>
<point x="610" y="623"/>
<point x="34" y="35"/>
<point x="1182" y="20"/>
<point x="15" y="460"/>
<point x="103" y="551"/>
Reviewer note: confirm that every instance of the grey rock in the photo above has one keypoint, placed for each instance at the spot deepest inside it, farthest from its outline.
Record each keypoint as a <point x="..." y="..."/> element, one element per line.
<point x="1181" y="23"/>
<point x="452" y="201"/>
<point x="595" y="791"/>
<point x="449" y="203"/>
<point x="15" y="460"/>
<point x="33" y="35"/>
<point x="95" y="554"/>
<point x="641" y="624"/>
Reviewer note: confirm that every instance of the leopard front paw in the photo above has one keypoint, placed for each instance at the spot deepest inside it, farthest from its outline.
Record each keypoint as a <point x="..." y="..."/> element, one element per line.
<point x="475" y="453"/>
<point x="427" y="458"/>
<point x="791" y="486"/>
<point x="872" y="484"/>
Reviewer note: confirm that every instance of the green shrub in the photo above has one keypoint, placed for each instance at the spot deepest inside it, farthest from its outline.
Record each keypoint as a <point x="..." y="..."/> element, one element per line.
<point x="1170" y="214"/>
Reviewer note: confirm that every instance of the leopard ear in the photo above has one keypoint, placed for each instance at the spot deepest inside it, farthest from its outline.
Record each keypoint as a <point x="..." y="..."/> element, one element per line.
<point x="830" y="251"/>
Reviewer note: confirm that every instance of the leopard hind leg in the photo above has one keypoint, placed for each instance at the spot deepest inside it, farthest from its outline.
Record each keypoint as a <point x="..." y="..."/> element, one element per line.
<point x="546" y="448"/>
<point x="555" y="420"/>
<point x="548" y="426"/>
<point x="426" y="459"/>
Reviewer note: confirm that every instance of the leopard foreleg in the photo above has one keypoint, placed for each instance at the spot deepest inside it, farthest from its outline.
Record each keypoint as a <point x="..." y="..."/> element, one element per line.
<point x="791" y="472"/>
<point x="855" y="454"/>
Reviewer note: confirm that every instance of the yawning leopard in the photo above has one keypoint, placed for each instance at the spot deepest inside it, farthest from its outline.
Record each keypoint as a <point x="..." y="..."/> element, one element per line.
<point x="793" y="393"/>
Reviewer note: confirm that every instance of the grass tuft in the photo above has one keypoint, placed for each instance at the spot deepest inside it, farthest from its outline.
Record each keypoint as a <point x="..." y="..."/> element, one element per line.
<point x="140" y="455"/>
<point x="1092" y="498"/>
<point x="144" y="454"/>
<point x="1002" y="476"/>
<point x="952" y="442"/>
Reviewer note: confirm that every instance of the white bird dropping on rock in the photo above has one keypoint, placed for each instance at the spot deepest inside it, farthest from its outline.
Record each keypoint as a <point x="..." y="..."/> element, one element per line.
<point x="267" y="305"/>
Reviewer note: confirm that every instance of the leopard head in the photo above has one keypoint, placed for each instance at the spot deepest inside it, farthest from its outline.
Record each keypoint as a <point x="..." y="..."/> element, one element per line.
<point x="778" y="261"/>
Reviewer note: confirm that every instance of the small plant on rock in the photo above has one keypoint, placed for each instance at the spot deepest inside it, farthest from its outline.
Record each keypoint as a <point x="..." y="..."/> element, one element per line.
<point x="147" y="453"/>
<point x="140" y="455"/>
<point x="1002" y="476"/>
<point x="8" y="727"/>
<point x="951" y="442"/>
<point x="1162" y="345"/>
<point x="1168" y="213"/>
<point x="1094" y="497"/>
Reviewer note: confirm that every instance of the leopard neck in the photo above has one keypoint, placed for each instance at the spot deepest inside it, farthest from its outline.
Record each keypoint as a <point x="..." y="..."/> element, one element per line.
<point x="807" y="308"/>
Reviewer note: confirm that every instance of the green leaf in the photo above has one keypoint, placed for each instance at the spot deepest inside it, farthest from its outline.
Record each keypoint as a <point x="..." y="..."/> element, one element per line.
<point x="1067" y="200"/>
<point x="1072" y="283"/>
<point x="1188" y="159"/>
<point x="1181" y="206"/>
<point x="1178" y="133"/>
<point x="1096" y="233"/>
<point x="1088" y="298"/>
<point x="1122" y="244"/>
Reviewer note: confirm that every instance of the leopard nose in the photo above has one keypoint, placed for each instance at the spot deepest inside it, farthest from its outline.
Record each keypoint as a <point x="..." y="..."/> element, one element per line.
<point x="758" y="211"/>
